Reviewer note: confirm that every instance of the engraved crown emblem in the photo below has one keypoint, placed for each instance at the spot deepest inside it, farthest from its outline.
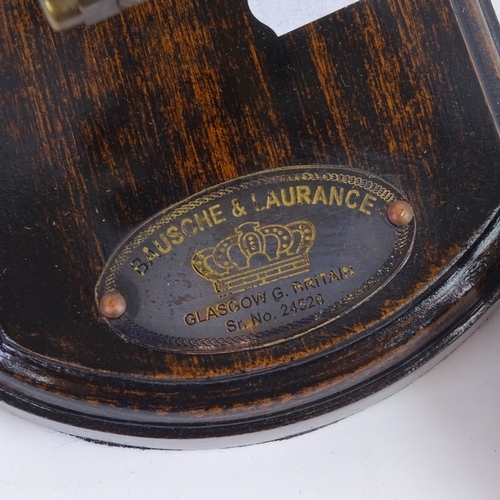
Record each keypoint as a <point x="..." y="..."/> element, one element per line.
<point x="256" y="255"/>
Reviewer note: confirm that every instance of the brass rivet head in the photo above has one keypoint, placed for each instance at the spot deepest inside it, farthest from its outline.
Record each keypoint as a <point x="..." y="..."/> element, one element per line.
<point x="400" y="213"/>
<point x="112" y="305"/>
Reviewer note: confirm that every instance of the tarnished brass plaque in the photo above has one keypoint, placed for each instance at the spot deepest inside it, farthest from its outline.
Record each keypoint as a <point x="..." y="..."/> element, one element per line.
<point x="257" y="260"/>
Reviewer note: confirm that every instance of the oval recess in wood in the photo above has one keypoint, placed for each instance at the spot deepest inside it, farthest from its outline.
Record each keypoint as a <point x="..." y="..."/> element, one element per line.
<point x="257" y="260"/>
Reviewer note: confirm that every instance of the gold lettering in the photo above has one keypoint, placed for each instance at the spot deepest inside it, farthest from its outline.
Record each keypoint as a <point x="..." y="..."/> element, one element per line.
<point x="176" y="236"/>
<point x="351" y="193"/>
<point x="293" y="199"/>
<point x="233" y="306"/>
<point x="215" y="212"/>
<point x="255" y="206"/>
<point x="205" y="218"/>
<point x="199" y="318"/>
<point x="163" y="249"/>
<point x="336" y="196"/>
<point x="189" y="319"/>
<point x="334" y="276"/>
<point x="238" y="209"/>
<point x="272" y="199"/>
<point x="186" y="230"/>
<point x="348" y="271"/>
<point x="222" y="309"/>
<point x="303" y="194"/>
<point x="367" y="204"/>
<point x="211" y="313"/>
<point x="309" y="283"/>
<point x="139" y="267"/>
<point x="320" y="195"/>
<point x="323" y="279"/>
<point x="321" y="276"/>
<point x="150" y="254"/>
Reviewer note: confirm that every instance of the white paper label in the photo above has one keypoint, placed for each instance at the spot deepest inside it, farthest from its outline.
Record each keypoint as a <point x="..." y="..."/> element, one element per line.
<point x="283" y="16"/>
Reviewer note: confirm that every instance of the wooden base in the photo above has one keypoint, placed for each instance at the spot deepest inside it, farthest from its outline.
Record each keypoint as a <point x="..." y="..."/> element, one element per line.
<point x="102" y="128"/>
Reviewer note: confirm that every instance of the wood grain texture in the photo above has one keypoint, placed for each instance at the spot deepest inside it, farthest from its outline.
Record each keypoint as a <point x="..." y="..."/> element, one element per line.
<point x="102" y="127"/>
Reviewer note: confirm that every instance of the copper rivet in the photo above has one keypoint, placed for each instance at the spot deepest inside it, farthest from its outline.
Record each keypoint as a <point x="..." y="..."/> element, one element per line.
<point x="400" y="213"/>
<point x="112" y="305"/>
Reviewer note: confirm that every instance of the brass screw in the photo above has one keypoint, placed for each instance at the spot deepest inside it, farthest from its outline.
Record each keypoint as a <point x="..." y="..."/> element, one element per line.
<point x="112" y="305"/>
<point x="400" y="213"/>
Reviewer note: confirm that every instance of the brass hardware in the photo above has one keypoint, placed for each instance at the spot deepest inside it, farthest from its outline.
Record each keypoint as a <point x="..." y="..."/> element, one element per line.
<point x="65" y="14"/>
<point x="112" y="305"/>
<point x="400" y="213"/>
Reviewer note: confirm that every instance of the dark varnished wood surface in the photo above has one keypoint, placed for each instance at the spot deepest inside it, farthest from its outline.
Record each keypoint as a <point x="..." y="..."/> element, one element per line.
<point x="102" y="127"/>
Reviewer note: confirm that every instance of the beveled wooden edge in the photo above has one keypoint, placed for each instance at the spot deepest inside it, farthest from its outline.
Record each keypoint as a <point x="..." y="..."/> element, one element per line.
<point x="481" y="32"/>
<point x="244" y="438"/>
<point x="433" y="326"/>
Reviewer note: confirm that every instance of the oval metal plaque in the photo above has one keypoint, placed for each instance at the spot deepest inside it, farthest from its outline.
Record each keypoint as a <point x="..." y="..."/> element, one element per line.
<point x="257" y="260"/>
